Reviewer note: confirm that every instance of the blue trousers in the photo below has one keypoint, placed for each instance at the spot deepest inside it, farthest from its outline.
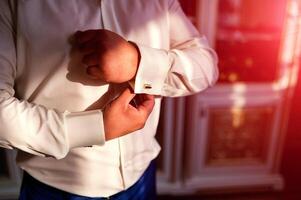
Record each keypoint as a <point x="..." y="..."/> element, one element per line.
<point x="143" y="189"/>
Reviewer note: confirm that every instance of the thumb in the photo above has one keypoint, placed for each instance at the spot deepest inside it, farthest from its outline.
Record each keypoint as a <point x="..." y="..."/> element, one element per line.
<point x="125" y="97"/>
<point x="148" y="102"/>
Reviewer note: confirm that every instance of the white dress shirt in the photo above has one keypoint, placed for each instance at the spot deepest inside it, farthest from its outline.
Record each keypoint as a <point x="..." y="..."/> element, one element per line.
<point x="44" y="90"/>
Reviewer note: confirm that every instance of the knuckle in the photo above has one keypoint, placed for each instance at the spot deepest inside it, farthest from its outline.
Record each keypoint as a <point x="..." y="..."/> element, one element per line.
<point x="141" y="125"/>
<point x="150" y="109"/>
<point x="107" y="77"/>
<point x="141" y="122"/>
<point x="107" y="74"/>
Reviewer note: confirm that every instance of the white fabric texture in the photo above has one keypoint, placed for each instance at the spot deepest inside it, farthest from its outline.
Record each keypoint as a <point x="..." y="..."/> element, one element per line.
<point x="44" y="90"/>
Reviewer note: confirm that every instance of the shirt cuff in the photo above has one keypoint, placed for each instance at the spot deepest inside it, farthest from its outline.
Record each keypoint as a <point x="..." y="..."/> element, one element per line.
<point x="85" y="128"/>
<point x="152" y="71"/>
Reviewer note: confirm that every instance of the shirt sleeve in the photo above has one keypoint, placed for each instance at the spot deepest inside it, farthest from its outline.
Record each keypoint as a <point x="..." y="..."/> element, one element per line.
<point x="34" y="128"/>
<point x="189" y="66"/>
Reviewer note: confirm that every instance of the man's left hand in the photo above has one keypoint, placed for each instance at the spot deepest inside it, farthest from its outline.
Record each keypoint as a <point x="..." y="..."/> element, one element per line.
<point x="107" y="55"/>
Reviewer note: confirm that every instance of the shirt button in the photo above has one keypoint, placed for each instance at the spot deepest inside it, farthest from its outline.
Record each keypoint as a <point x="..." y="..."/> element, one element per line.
<point x="147" y="86"/>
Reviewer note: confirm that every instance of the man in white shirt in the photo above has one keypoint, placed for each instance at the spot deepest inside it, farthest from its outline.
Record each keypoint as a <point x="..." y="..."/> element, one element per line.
<point x="68" y="106"/>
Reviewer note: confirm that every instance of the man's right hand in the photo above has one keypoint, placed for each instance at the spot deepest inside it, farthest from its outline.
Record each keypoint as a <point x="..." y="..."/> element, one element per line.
<point x="120" y="117"/>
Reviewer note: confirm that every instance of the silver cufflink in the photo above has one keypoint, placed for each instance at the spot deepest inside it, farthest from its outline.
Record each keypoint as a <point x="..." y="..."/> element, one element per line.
<point x="147" y="86"/>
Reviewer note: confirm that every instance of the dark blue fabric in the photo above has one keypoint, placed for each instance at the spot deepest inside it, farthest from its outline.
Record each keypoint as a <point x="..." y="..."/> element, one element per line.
<point x="143" y="189"/>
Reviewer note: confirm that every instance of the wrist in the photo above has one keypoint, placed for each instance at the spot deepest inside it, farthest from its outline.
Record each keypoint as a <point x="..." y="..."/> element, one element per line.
<point x="137" y="58"/>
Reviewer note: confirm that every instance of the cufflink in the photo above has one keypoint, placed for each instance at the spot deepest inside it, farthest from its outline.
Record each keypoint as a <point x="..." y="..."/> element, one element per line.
<point x="147" y="86"/>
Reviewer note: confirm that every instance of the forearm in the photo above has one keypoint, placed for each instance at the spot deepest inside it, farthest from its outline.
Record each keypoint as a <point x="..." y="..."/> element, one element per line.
<point x="46" y="132"/>
<point x="187" y="67"/>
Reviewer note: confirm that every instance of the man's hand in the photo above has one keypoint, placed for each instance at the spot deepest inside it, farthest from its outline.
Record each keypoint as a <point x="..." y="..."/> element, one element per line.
<point x="107" y="55"/>
<point x="121" y="117"/>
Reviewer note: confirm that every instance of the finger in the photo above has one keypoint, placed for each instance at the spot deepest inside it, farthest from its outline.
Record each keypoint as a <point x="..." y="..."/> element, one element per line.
<point x="94" y="72"/>
<point x="91" y="59"/>
<point x="84" y="36"/>
<point x="88" y="47"/>
<point x="134" y="102"/>
<point x="125" y="97"/>
<point x="147" y="103"/>
<point x="141" y="98"/>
